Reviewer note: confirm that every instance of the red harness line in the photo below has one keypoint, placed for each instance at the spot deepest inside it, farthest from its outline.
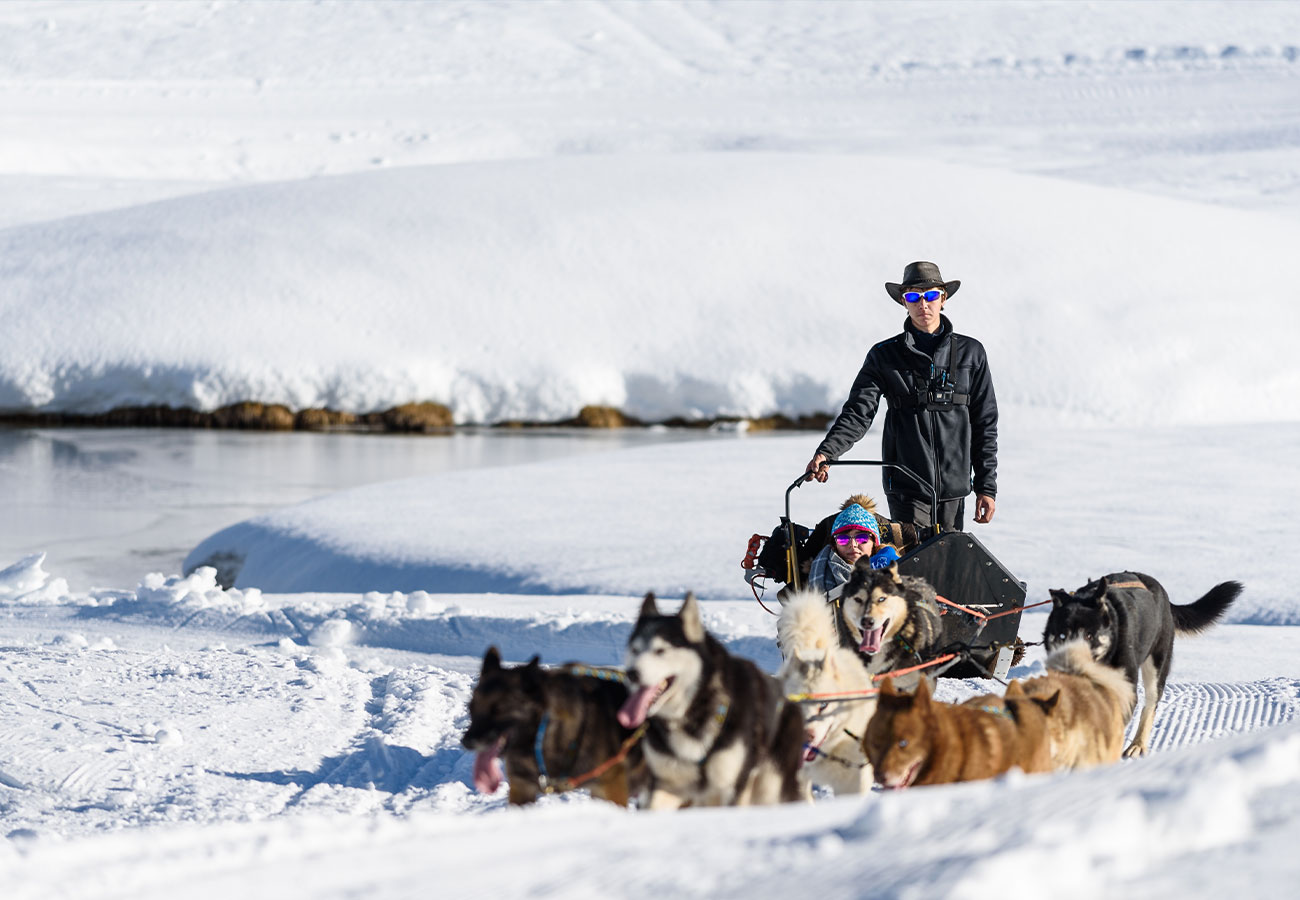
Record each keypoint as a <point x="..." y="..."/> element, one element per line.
<point x="871" y="692"/>
<point x="613" y="760"/>
<point x="985" y="616"/>
<point x="933" y="662"/>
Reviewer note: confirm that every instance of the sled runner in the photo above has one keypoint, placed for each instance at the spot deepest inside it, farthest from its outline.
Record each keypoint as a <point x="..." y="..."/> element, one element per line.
<point x="982" y="599"/>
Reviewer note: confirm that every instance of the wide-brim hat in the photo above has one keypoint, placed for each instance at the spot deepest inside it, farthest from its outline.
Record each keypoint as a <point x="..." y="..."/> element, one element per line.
<point x="920" y="275"/>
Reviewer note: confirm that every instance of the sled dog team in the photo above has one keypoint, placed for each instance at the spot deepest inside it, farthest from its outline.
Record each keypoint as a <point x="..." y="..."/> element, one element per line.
<point x="689" y="724"/>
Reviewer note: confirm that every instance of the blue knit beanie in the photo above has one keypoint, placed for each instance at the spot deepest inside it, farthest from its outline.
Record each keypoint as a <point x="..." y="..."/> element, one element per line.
<point x="855" y="517"/>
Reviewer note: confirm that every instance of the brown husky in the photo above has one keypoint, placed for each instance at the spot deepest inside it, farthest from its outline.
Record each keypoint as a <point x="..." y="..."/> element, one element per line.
<point x="1031" y="717"/>
<point x="913" y="739"/>
<point x="1087" y="705"/>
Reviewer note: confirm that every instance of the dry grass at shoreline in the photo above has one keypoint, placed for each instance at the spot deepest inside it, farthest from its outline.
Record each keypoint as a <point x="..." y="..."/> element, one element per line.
<point x="409" y="418"/>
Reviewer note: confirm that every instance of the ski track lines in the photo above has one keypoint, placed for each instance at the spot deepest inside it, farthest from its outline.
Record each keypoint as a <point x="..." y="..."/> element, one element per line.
<point x="1191" y="713"/>
<point x="681" y="48"/>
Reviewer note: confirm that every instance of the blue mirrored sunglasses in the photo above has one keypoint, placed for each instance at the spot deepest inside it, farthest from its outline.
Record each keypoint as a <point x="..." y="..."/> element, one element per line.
<point x="928" y="296"/>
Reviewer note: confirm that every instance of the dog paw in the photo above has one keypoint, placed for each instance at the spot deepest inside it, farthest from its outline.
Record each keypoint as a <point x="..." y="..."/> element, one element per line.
<point x="1135" y="750"/>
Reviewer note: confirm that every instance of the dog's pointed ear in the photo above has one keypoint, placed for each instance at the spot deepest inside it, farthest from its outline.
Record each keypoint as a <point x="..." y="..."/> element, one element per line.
<point x="692" y="625"/>
<point x="893" y="572"/>
<point x="887" y="691"/>
<point x="1049" y="703"/>
<point x="531" y="682"/>
<point x="491" y="660"/>
<point x="922" y="694"/>
<point x="648" y="607"/>
<point x="1060" y="598"/>
<point x="1015" y="691"/>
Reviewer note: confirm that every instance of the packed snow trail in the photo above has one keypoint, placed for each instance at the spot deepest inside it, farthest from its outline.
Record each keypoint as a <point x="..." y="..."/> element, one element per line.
<point x="330" y="752"/>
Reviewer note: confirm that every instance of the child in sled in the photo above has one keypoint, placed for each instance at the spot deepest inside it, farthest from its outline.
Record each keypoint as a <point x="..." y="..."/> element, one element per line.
<point x="855" y="533"/>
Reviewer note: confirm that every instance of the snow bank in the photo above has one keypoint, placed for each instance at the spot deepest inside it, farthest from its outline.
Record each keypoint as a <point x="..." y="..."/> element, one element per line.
<point x="592" y="628"/>
<point x="693" y="285"/>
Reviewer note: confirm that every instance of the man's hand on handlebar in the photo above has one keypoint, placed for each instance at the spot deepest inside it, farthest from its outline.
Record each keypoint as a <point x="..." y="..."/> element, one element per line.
<point x="817" y="468"/>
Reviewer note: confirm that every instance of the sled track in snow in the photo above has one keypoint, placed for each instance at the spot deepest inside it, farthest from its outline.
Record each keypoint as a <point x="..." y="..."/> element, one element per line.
<point x="409" y="745"/>
<point x="1192" y="713"/>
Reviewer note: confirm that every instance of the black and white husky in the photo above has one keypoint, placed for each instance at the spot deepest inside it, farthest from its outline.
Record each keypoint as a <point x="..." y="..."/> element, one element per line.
<point x="719" y="731"/>
<point x="1127" y="619"/>
<point x="891" y="620"/>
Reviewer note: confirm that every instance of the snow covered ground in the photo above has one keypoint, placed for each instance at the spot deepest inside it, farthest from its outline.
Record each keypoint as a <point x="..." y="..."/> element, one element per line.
<point x="678" y="208"/>
<point x="181" y="738"/>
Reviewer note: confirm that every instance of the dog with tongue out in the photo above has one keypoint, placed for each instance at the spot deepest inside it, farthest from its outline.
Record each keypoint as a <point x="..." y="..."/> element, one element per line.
<point x="892" y="620"/>
<point x="548" y="728"/>
<point x="719" y="731"/>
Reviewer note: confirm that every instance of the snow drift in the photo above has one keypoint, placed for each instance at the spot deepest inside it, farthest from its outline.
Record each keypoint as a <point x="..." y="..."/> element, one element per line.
<point x="694" y="285"/>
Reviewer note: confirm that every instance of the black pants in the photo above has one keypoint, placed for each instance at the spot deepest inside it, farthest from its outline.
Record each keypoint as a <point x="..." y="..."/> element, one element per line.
<point x="907" y="509"/>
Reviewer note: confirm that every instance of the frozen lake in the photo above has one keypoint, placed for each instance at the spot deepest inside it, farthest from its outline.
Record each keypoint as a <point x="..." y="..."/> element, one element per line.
<point x="110" y="505"/>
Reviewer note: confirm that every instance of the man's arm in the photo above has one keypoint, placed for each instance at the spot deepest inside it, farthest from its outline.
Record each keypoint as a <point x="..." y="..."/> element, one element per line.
<point x="858" y="411"/>
<point x="984" y="440"/>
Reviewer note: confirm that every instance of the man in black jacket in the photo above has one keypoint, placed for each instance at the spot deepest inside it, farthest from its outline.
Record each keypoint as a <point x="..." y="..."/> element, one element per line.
<point x="942" y="421"/>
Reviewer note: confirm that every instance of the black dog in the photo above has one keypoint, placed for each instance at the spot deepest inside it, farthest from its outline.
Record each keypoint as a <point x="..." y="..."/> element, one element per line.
<point x="1130" y="624"/>
<point x="576" y="717"/>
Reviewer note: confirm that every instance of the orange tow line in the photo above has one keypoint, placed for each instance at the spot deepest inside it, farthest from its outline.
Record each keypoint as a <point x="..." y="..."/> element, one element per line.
<point x="985" y="616"/>
<point x="870" y="692"/>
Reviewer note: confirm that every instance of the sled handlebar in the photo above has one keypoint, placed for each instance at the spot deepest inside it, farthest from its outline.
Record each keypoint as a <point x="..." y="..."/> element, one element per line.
<point x="807" y="476"/>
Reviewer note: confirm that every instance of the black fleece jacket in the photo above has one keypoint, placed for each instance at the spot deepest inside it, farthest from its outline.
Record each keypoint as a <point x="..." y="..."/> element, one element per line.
<point x="941" y="443"/>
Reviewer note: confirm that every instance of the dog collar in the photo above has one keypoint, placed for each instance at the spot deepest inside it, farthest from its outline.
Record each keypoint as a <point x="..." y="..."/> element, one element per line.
<point x="604" y="674"/>
<point x="998" y="711"/>
<point x="543" y="780"/>
<point x="906" y="646"/>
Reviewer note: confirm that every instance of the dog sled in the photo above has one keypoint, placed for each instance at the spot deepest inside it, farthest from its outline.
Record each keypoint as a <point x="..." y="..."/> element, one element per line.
<point x="982" y="600"/>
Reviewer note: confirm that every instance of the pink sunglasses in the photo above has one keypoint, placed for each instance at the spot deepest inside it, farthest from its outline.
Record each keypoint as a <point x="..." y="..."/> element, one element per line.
<point x="863" y="538"/>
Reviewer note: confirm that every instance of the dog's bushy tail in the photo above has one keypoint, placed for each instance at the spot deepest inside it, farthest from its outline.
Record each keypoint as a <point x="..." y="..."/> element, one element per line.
<point x="1075" y="658"/>
<point x="1205" y="612"/>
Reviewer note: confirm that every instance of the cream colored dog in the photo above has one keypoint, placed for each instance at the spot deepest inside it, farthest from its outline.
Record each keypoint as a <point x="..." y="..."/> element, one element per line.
<point x="817" y="663"/>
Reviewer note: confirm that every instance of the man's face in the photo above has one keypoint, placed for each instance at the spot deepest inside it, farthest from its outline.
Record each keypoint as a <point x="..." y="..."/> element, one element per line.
<point x="925" y="313"/>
